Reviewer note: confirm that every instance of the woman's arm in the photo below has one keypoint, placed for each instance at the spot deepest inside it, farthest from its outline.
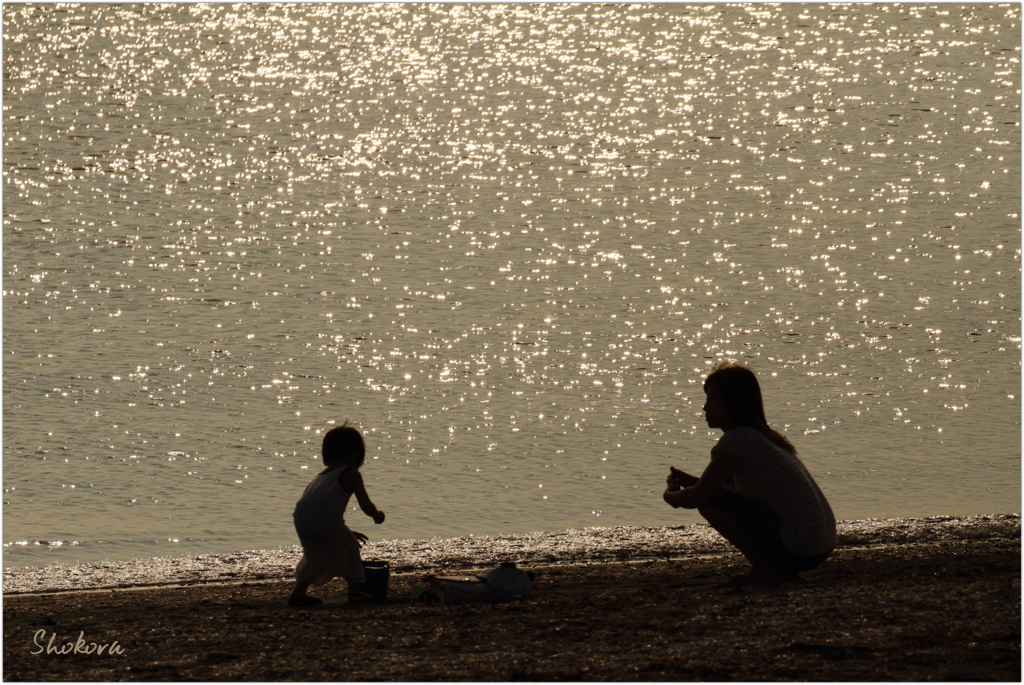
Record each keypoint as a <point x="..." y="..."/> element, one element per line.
<point x="718" y="473"/>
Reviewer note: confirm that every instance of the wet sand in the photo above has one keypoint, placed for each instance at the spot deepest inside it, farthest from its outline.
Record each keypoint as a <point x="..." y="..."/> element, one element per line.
<point x="923" y="610"/>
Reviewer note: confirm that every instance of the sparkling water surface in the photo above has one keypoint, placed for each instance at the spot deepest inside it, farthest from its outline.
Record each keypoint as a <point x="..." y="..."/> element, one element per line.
<point x="507" y="242"/>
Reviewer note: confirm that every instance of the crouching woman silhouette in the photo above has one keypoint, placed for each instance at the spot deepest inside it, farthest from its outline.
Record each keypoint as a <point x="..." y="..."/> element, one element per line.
<point x="756" y="492"/>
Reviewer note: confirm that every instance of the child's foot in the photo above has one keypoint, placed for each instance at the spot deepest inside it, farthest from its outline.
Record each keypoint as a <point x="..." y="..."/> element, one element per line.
<point x="304" y="601"/>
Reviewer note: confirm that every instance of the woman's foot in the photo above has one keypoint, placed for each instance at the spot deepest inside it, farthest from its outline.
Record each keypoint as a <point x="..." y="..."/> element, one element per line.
<point x="304" y="601"/>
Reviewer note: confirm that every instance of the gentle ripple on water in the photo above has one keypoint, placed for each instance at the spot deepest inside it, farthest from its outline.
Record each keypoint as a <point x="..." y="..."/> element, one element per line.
<point x="507" y="241"/>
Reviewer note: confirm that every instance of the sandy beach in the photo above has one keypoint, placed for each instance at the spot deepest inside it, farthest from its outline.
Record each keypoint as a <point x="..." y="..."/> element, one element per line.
<point x="938" y="610"/>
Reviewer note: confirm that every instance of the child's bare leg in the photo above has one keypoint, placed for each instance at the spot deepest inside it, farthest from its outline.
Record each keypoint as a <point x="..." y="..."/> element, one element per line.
<point x="299" y="598"/>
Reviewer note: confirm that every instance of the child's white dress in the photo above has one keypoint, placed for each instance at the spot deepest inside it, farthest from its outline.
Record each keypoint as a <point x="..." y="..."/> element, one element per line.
<point x="329" y="548"/>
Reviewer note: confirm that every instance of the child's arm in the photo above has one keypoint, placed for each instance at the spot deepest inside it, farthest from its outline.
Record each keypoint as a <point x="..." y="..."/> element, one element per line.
<point x="352" y="481"/>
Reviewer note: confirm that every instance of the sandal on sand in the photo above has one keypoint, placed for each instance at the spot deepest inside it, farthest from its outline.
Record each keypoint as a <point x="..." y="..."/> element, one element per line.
<point x="304" y="601"/>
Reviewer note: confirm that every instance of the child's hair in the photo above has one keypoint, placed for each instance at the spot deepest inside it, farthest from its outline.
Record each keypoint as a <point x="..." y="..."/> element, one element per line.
<point x="342" y="441"/>
<point x="741" y="395"/>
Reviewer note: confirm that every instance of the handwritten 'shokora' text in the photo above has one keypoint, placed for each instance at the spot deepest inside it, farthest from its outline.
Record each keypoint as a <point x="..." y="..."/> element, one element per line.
<point x="80" y="646"/>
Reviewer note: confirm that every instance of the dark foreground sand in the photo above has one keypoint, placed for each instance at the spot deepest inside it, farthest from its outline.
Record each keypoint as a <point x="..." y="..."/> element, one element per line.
<point x="927" y="611"/>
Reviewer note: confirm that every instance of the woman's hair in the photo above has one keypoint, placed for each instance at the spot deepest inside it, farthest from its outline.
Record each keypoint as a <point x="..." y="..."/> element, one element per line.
<point x="342" y="441"/>
<point x="741" y="395"/>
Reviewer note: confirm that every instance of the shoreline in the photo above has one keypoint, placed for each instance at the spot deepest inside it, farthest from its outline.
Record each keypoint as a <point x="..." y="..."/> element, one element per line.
<point x="940" y="609"/>
<point x="467" y="553"/>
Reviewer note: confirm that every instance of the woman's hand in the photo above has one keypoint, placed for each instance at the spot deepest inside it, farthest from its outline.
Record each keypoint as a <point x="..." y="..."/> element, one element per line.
<point x="360" y="538"/>
<point x="681" y="478"/>
<point x="378" y="517"/>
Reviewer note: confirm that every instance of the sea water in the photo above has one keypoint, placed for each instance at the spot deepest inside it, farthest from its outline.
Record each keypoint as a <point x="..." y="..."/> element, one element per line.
<point x="507" y="242"/>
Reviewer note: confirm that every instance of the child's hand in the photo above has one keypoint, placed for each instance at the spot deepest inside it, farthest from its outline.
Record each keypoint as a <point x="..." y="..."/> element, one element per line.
<point x="360" y="538"/>
<point x="378" y="517"/>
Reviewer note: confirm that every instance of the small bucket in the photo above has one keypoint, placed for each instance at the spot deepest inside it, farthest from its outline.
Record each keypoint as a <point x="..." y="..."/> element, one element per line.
<point x="377" y="575"/>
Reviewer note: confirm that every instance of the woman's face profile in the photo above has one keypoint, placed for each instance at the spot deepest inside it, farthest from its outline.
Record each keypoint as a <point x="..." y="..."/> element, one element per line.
<point x="714" y="410"/>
